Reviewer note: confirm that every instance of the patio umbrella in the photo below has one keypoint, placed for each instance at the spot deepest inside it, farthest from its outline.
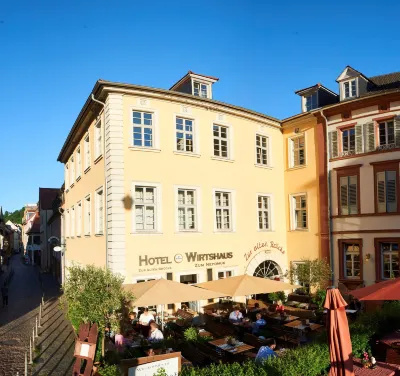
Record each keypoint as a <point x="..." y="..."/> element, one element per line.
<point x="387" y="290"/>
<point x="244" y="285"/>
<point x="162" y="291"/>
<point x="339" y="335"/>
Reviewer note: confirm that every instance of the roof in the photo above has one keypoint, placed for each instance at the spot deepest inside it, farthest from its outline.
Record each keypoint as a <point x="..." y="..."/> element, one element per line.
<point x="100" y="84"/>
<point x="355" y="70"/>
<point x="315" y="87"/>
<point x="47" y="196"/>
<point x="187" y="75"/>
<point x="35" y="226"/>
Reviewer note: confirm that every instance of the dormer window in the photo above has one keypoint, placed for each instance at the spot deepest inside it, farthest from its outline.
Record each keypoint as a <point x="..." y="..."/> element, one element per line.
<point x="310" y="102"/>
<point x="200" y="90"/>
<point x="350" y="89"/>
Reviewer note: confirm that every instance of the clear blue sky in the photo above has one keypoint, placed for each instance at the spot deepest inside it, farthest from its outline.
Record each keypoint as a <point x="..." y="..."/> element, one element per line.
<point x="52" y="52"/>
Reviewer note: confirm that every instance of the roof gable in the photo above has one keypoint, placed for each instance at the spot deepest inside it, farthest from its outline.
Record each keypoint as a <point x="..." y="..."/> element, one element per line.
<point x="349" y="73"/>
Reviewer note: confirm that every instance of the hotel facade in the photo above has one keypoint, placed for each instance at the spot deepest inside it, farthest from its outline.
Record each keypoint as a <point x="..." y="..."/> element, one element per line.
<point x="174" y="184"/>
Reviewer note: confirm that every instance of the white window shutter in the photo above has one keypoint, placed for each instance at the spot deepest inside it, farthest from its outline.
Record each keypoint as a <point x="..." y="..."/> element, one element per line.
<point x="391" y="187"/>
<point x="397" y="131"/>
<point x="333" y="144"/>
<point x="359" y="138"/>
<point x="369" y="136"/>
<point x="353" y="195"/>
<point x="381" y="192"/>
<point x="344" y="194"/>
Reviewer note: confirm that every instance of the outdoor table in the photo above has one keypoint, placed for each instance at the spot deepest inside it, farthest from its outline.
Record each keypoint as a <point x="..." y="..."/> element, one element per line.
<point x="277" y="316"/>
<point x="238" y="349"/>
<point x="292" y="303"/>
<point x="299" y="325"/>
<point x="204" y="333"/>
<point x="382" y="369"/>
<point x="303" y="305"/>
<point x="391" y="343"/>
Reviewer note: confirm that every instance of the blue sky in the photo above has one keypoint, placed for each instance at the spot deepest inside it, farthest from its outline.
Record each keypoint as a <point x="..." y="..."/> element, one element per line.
<point x="52" y="52"/>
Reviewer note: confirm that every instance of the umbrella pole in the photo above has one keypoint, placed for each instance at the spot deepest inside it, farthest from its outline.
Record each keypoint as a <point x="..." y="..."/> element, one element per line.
<point x="162" y="317"/>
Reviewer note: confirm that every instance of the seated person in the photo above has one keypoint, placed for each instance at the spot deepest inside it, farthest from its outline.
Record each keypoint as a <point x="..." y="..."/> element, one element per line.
<point x="146" y="317"/>
<point x="133" y="318"/>
<point x="236" y="316"/>
<point x="258" y="324"/>
<point x="279" y="307"/>
<point x="156" y="334"/>
<point x="266" y="352"/>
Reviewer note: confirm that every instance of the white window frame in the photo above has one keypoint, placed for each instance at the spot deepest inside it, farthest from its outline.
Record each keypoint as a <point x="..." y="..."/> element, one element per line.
<point x="270" y="211"/>
<point x="269" y="154"/>
<point x="155" y="127"/>
<point x="293" y="222"/>
<point x="73" y="223"/>
<point x="224" y="272"/>
<point x="291" y="151"/>
<point x="386" y="133"/>
<point x="78" y="163"/>
<point x="98" y="138"/>
<point x="391" y="252"/>
<point x="72" y="170"/>
<point x="232" y="207"/>
<point x="344" y="251"/>
<point x="79" y="214"/>
<point x="230" y="142"/>
<point x="200" y="82"/>
<point x="87" y="216"/>
<point x="198" y="213"/>
<point x="350" y="89"/>
<point x="158" y="207"/>
<point x="97" y="229"/>
<point x="305" y="101"/>
<point x="195" y="132"/>
<point x="86" y="152"/>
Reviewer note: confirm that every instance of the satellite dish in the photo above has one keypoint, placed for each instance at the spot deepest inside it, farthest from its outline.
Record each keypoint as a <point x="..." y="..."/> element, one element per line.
<point x="57" y="249"/>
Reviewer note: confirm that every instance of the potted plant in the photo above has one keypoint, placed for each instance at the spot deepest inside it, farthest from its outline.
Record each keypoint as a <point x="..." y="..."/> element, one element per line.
<point x="231" y="341"/>
<point x="365" y="360"/>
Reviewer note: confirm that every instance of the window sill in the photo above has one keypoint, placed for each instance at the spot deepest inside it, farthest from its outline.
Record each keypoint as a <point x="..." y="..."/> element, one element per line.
<point x="146" y="233"/>
<point x="188" y="232"/>
<point x="99" y="158"/>
<point x="266" y="167"/>
<point x="299" y="230"/>
<point x="223" y="159"/>
<point x="78" y="178"/>
<point x="296" y="167"/>
<point x="78" y="236"/>
<point x="87" y="235"/>
<point x="223" y="232"/>
<point x="265" y="230"/>
<point x="187" y="154"/>
<point x="87" y="170"/>
<point x="71" y="186"/>
<point x="152" y="150"/>
<point x="98" y="234"/>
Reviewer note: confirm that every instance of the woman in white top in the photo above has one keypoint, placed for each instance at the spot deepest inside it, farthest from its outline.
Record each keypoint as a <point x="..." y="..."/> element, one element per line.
<point x="145" y="318"/>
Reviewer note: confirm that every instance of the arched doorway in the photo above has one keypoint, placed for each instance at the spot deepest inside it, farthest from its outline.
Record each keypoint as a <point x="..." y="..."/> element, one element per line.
<point x="268" y="269"/>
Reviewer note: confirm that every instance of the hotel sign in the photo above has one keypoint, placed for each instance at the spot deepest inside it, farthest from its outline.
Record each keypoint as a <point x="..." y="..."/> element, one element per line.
<point x="199" y="260"/>
<point x="261" y="245"/>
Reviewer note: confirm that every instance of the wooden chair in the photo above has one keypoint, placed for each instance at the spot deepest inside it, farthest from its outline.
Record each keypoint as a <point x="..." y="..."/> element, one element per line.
<point x="252" y="340"/>
<point x="292" y="338"/>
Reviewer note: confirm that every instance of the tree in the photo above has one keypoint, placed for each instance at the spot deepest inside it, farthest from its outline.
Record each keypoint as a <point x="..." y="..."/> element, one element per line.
<point x="94" y="295"/>
<point x="15" y="216"/>
<point x="314" y="274"/>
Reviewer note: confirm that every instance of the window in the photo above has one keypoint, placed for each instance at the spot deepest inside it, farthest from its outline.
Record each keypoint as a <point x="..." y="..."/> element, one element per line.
<point x="72" y="170"/>
<point x="66" y="176"/>
<point x="67" y="224"/>
<point x="88" y="221"/>
<point x="386" y="191"/>
<point x="98" y="135"/>
<point x="99" y="205"/>
<point x="221" y="134"/>
<point x="262" y="150"/>
<point x="299" y="212"/>
<point x="200" y="90"/>
<point x="143" y="129"/>
<point x="389" y="260"/>
<point x="352" y="266"/>
<point x="386" y="133"/>
<point x="79" y="218"/>
<point x="263" y="213"/>
<point x="184" y="135"/>
<point x="298" y="151"/>
<point x="72" y="221"/>
<point x="348" y="140"/>
<point x="350" y="89"/>
<point x="225" y="274"/>
<point x="145" y="208"/>
<point x="348" y="194"/>
<point x="187" y="209"/>
<point x="78" y="162"/>
<point x="311" y="102"/>
<point x="86" y="151"/>
<point x="223" y="211"/>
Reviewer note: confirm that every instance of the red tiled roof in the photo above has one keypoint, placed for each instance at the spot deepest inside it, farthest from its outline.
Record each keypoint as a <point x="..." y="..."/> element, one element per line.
<point x="47" y="196"/>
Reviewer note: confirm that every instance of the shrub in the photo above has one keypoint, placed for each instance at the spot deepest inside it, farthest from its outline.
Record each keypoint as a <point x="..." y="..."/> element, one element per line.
<point x="319" y="299"/>
<point x="235" y="369"/>
<point x="191" y="335"/>
<point x="109" y="370"/>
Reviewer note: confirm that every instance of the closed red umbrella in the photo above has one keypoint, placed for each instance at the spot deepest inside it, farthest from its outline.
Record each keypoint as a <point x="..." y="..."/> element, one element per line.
<point x="339" y="335"/>
<point x="387" y="290"/>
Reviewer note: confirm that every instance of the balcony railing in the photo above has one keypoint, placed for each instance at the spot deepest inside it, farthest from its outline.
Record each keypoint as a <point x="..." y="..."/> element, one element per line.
<point x="347" y="153"/>
<point x="386" y="147"/>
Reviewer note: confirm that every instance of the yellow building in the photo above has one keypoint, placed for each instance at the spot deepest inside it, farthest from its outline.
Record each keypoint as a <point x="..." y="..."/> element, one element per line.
<point x="174" y="184"/>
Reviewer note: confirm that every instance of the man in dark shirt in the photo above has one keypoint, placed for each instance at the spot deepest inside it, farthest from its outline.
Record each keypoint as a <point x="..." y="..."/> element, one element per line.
<point x="4" y="293"/>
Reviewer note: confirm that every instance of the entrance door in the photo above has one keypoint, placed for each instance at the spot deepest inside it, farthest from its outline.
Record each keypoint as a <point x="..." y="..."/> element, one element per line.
<point x="189" y="279"/>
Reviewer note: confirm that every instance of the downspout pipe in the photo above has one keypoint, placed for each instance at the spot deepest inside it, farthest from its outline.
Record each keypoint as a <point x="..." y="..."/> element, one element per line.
<point x="328" y="176"/>
<point x="105" y="176"/>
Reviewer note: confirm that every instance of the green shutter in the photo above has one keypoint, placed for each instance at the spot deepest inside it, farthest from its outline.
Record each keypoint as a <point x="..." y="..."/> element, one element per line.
<point x="333" y="144"/>
<point x="391" y="196"/>
<point x="353" y="195"/>
<point x="369" y="137"/>
<point x="359" y="138"/>
<point x="344" y="194"/>
<point x="381" y="192"/>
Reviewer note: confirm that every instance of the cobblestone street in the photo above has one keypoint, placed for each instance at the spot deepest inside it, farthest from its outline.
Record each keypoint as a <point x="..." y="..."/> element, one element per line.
<point x="54" y="355"/>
